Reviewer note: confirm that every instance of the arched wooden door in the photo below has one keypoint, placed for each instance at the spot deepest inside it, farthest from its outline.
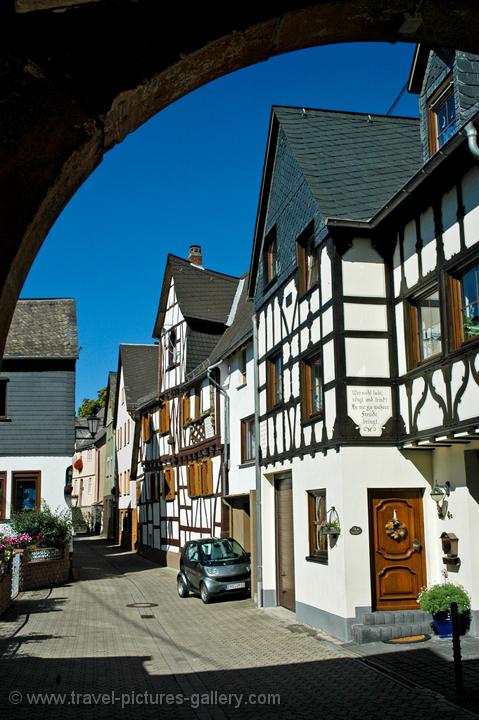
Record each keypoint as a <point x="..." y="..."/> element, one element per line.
<point x="397" y="548"/>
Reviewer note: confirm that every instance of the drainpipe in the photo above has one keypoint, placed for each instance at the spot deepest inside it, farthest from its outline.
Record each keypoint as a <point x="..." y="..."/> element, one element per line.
<point x="259" y="546"/>
<point x="226" y="464"/>
<point x="471" y="133"/>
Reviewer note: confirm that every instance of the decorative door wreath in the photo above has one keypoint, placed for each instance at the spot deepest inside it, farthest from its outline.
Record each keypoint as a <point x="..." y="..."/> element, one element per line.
<point x="396" y="529"/>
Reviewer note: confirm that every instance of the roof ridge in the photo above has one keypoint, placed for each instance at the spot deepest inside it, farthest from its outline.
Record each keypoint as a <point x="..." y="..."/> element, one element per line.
<point x="204" y="269"/>
<point x="352" y="113"/>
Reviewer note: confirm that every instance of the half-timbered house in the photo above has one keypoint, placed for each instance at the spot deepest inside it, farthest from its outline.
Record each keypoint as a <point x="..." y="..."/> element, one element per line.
<point x="185" y="429"/>
<point x="137" y="378"/>
<point x="365" y="280"/>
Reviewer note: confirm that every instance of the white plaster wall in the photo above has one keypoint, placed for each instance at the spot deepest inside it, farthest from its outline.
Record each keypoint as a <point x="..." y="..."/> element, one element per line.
<point x="428" y="238"/>
<point x="363" y="270"/>
<point x="359" y="316"/>
<point x="470" y="196"/>
<point x="451" y="236"/>
<point x="367" y="357"/>
<point x="411" y="262"/>
<point x="241" y="403"/>
<point x="123" y="454"/>
<point x="401" y="339"/>
<point x="325" y="276"/>
<point x="52" y="480"/>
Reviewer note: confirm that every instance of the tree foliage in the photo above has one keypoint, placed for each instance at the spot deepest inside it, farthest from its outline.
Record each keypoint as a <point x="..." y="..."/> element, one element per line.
<point x="91" y="407"/>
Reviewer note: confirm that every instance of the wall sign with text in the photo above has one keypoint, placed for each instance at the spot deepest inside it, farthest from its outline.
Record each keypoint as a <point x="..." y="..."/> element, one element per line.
<point x="370" y="407"/>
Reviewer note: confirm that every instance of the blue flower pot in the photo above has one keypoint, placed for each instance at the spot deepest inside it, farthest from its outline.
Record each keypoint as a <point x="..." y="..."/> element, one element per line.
<point x="443" y="623"/>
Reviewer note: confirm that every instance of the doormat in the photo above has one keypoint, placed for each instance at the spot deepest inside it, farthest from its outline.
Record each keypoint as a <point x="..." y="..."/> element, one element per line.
<point x="408" y="639"/>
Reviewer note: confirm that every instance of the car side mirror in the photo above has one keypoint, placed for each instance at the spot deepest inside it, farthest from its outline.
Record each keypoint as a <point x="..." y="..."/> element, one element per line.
<point x="248" y="554"/>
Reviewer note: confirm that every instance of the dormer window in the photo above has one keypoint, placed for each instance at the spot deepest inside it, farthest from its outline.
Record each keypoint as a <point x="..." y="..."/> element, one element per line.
<point x="172" y="352"/>
<point x="270" y="257"/>
<point x="442" y="116"/>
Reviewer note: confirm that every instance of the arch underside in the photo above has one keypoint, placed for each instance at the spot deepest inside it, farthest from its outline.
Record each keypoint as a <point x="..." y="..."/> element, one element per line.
<point x="74" y="81"/>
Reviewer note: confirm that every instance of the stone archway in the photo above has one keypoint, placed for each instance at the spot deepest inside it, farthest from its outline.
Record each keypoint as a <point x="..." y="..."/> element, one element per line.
<point x="76" y="76"/>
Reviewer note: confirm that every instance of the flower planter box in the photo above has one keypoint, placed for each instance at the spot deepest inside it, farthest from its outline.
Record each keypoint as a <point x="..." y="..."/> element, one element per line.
<point x="330" y="531"/>
<point x="45" y="554"/>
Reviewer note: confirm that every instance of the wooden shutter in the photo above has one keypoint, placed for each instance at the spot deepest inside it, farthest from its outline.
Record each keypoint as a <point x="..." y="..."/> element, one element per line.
<point x="146" y="427"/>
<point x="185" y="408"/>
<point x="455" y="295"/>
<point x="197" y="402"/>
<point x="207" y="477"/>
<point x="194" y="480"/>
<point x="169" y="490"/>
<point x="412" y="344"/>
<point x="165" y="417"/>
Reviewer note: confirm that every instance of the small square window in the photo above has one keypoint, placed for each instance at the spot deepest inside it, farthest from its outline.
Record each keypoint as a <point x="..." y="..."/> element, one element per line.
<point x="424" y="328"/>
<point x="3" y="398"/>
<point x="318" y="541"/>
<point x="442" y="116"/>
<point x="312" y="394"/>
<point x="271" y="265"/>
<point x="274" y="380"/>
<point x="464" y="305"/>
<point x="248" y="440"/>
<point x="26" y="488"/>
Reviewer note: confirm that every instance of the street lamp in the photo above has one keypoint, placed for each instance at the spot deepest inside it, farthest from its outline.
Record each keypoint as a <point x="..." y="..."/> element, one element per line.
<point x="439" y="493"/>
<point x="93" y="423"/>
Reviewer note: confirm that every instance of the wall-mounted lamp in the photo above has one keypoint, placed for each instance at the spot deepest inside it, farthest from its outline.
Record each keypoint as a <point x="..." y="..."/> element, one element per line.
<point x="439" y="493"/>
<point x="93" y="423"/>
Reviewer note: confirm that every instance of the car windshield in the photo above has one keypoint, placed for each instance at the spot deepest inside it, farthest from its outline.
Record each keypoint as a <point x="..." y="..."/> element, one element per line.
<point x="213" y="551"/>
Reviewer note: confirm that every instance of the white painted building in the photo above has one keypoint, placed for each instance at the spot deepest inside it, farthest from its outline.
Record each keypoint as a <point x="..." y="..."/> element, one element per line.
<point x="37" y="405"/>
<point x="366" y="295"/>
<point x="137" y="378"/>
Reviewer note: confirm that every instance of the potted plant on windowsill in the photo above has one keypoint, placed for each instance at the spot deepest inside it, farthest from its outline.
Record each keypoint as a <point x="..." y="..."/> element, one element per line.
<point x="437" y="600"/>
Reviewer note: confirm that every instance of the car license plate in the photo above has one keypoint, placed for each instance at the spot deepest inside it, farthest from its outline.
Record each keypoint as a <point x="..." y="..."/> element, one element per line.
<point x="235" y="586"/>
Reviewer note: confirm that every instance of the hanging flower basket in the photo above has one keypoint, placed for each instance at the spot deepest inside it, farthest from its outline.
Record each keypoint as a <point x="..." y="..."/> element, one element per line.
<point x="331" y="526"/>
<point x="78" y="464"/>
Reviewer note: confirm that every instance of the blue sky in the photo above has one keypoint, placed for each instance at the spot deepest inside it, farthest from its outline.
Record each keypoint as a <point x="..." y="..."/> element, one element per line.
<point x="191" y="175"/>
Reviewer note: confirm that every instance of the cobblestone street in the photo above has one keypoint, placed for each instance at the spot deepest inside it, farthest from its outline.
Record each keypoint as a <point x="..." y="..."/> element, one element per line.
<point x="103" y="650"/>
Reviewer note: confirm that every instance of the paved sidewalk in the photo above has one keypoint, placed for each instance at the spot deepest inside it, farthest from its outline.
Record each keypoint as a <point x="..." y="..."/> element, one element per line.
<point x="120" y="643"/>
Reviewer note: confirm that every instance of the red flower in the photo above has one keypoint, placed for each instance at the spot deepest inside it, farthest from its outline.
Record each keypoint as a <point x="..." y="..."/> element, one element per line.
<point x="37" y="536"/>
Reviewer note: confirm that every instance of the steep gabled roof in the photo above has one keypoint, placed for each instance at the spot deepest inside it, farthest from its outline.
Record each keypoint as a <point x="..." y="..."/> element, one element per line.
<point x="241" y="328"/>
<point x="43" y="329"/>
<point x="110" y="394"/>
<point x="140" y="373"/>
<point x="239" y="331"/>
<point x="202" y="294"/>
<point x="353" y="162"/>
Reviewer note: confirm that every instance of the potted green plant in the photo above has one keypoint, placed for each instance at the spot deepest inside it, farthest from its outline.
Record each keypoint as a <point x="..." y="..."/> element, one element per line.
<point x="49" y="531"/>
<point x="437" y="600"/>
<point x="331" y="527"/>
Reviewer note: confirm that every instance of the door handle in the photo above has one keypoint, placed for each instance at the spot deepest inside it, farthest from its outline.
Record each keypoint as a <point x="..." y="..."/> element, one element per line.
<point x="416" y="545"/>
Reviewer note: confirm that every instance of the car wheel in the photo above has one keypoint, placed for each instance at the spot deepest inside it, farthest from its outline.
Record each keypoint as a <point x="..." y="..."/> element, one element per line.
<point x="205" y="596"/>
<point x="182" y="588"/>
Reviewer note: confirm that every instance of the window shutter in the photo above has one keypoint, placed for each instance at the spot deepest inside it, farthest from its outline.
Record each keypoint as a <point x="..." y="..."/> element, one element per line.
<point x="457" y="334"/>
<point x="169" y="490"/>
<point x="207" y="477"/>
<point x="146" y="427"/>
<point x="197" y="402"/>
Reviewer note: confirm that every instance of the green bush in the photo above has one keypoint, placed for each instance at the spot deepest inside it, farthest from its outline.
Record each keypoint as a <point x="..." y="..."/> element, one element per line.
<point x="48" y="528"/>
<point x="439" y="597"/>
<point x="78" y="519"/>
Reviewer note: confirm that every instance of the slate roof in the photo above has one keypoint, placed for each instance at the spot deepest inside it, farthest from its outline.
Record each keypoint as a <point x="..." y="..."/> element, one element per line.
<point x="202" y="294"/>
<point x="199" y="345"/>
<point x="353" y="162"/>
<point x="43" y="328"/>
<point x="140" y="373"/>
<point x="240" y="330"/>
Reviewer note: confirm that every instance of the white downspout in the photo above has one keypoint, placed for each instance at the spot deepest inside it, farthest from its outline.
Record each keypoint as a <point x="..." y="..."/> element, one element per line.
<point x="471" y="133"/>
<point x="259" y="535"/>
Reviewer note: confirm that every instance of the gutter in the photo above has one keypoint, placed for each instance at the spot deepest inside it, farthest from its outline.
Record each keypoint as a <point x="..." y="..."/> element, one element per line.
<point x="471" y="134"/>
<point x="259" y="533"/>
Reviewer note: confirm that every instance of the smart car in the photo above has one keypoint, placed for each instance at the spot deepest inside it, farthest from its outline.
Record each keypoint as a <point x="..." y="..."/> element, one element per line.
<point x="214" y="567"/>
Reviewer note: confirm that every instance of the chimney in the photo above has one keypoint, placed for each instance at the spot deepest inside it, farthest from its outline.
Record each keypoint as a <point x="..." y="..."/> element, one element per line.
<point x="195" y="257"/>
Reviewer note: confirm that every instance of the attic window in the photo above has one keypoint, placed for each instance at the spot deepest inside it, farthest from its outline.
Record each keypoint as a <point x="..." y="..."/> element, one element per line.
<point x="270" y="257"/>
<point x="308" y="262"/>
<point x="3" y="398"/>
<point x="442" y="116"/>
<point x="172" y="350"/>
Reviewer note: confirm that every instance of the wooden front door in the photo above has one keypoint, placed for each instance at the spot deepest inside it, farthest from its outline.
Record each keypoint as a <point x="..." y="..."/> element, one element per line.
<point x="397" y="548"/>
<point x="285" y="543"/>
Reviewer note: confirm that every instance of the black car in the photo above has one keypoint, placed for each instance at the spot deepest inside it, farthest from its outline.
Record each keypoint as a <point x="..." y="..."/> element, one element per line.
<point x="214" y="567"/>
